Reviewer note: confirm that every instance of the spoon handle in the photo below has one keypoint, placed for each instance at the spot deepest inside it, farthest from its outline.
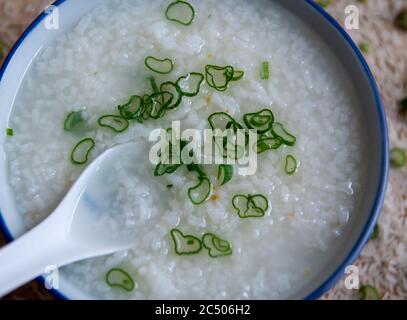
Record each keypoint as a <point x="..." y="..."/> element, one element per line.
<point x="41" y="250"/>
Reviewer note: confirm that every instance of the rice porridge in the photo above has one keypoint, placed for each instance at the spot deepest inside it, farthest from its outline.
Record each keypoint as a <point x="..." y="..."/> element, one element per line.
<point x="99" y="64"/>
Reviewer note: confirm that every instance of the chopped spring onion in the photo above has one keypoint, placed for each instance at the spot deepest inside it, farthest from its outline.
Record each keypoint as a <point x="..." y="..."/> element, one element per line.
<point x="162" y="169"/>
<point x="219" y="77"/>
<point x="175" y="90"/>
<point x="401" y="20"/>
<point x="375" y="233"/>
<point x="397" y="157"/>
<point x="197" y="169"/>
<point x="403" y="105"/>
<point x="132" y="109"/>
<point x="181" y="12"/>
<point x="73" y="120"/>
<point x="278" y="130"/>
<point x="237" y="75"/>
<point x="267" y="144"/>
<point x="81" y="151"/>
<point x="163" y="66"/>
<point x="368" y="292"/>
<point x="9" y="132"/>
<point x="115" y="123"/>
<point x="220" y="120"/>
<point x="190" y="84"/>
<point x="158" y="104"/>
<point x="364" y="47"/>
<point x="265" y="70"/>
<point x="216" y="246"/>
<point x="291" y="165"/>
<point x="262" y="120"/>
<point x="154" y="85"/>
<point x="201" y="192"/>
<point x="185" y="244"/>
<point x="251" y="206"/>
<point x="225" y="174"/>
<point x="118" y="278"/>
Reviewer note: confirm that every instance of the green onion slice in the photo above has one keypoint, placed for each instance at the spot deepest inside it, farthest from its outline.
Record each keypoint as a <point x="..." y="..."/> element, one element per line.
<point x="262" y="120"/>
<point x="190" y="84"/>
<point x="163" y="66"/>
<point x="225" y="174"/>
<point x="154" y="85"/>
<point x="176" y="92"/>
<point x="73" y="120"/>
<point x="115" y="123"/>
<point x="9" y="132"/>
<point x="397" y="157"/>
<point x="162" y="169"/>
<point x="216" y="246"/>
<point x="118" y="278"/>
<point x="198" y="169"/>
<point x="220" y="120"/>
<point x="267" y="144"/>
<point x="237" y="75"/>
<point x="181" y="12"/>
<point x="201" y="192"/>
<point x="291" y="165"/>
<point x="219" y="77"/>
<point x="81" y="151"/>
<point x="375" y="233"/>
<point x="158" y="104"/>
<point x="132" y="109"/>
<point x="251" y="206"/>
<point x="278" y="130"/>
<point x="368" y="292"/>
<point x="265" y="71"/>
<point x="185" y="244"/>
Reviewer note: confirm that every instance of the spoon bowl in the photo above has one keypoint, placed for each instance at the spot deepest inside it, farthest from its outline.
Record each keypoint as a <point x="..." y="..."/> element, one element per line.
<point x="86" y="224"/>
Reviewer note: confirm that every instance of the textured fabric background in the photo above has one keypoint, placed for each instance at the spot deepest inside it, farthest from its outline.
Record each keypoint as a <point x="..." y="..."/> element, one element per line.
<point x="383" y="263"/>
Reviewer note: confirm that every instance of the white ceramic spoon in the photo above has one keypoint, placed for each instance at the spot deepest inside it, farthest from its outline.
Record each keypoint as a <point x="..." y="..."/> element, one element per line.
<point x="73" y="232"/>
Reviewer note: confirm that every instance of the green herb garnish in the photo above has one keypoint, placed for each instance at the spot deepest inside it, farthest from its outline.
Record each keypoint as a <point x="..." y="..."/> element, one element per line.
<point x="225" y="174"/>
<point x="251" y="206"/>
<point x="163" y="66"/>
<point x="190" y="84"/>
<point x="375" y="233"/>
<point x="158" y="104"/>
<point x="185" y="244"/>
<point x="278" y="130"/>
<point x="262" y="121"/>
<point x="115" y="123"/>
<point x="219" y="77"/>
<point x="175" y="90"/>
<point x="9" y="132"/>
<point x="364" y="47"/>
<point x="267" y="144"/>
<point x="401" y="20"/>
<point x="397" y="157"/>
<point x="81" y="151"/>
<point x="181" y="12"/>
<point x="265" y="70"/>
<point x="291" y="165"/>
<point x="154" y="85"/>
<point x="73" y="120"/>
<point x="133" y="109"/>
<point x="368" y="292"/>
<point x="201" y="192"/>
<point x="216" y="246"/>
<point x="237" y="75"/>
<point x="118" y="278"/>
<point x="220" y="120"/>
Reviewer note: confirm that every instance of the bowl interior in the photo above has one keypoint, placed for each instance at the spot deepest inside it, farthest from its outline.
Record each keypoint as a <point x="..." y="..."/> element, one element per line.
<point x="362" y="222"/>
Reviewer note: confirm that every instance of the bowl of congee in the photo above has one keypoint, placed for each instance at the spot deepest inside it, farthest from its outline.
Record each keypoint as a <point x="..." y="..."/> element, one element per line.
<point x="261" y="152"/>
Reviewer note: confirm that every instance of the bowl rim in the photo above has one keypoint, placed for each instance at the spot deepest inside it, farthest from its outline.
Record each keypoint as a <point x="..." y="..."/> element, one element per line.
<point x="384" y="166"/>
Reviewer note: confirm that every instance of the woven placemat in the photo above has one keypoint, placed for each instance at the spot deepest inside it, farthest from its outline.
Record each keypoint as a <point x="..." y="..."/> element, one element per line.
<point x="383" y="262"/>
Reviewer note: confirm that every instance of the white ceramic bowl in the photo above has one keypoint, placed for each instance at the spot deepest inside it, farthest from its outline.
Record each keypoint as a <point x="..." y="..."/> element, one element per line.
<point x="361" y="224"/>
